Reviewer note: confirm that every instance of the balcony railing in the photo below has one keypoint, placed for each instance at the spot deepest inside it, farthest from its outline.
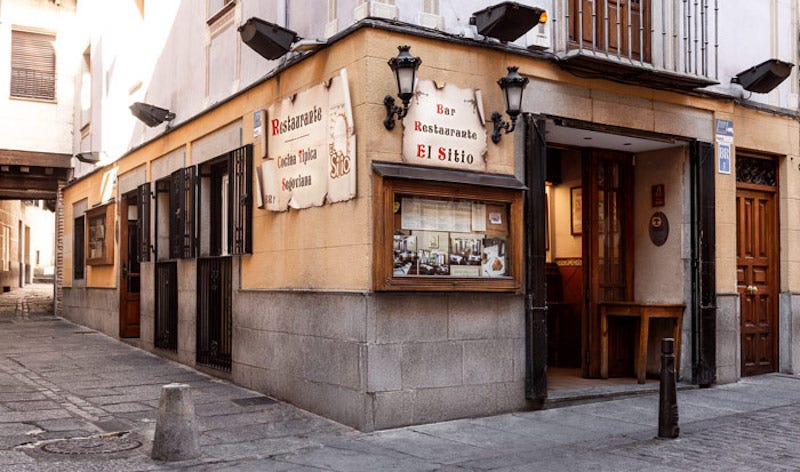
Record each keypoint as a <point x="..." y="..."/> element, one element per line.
<point x="673" y="41"/>
<point x="29" y="83"/>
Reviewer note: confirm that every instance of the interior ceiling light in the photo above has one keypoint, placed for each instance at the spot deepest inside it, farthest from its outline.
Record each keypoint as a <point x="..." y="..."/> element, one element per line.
<point x="268" y="39"/>
<point x="151" y="115"/>
<point x="507" y="21"/>
<point x="764" y="77"/>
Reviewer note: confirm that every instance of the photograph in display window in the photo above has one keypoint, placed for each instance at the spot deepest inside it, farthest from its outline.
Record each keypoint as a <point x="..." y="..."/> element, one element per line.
<point x="449" y="238"/>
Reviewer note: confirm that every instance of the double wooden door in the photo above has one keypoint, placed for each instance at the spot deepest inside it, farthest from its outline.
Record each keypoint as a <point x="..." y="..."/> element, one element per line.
<point x="756" y="274"/>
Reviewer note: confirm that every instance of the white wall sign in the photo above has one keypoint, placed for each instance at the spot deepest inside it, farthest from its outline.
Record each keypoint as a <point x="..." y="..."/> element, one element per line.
<point x="311" y="148"/>
<point x="445" y="127"/>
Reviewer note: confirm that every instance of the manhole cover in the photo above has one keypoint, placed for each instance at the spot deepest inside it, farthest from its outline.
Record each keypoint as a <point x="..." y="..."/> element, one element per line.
<point x="92" y="446"/>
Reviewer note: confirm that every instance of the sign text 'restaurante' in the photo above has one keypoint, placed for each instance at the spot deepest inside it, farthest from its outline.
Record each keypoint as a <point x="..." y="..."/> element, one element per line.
<point x="444" y="128"/>
<point x="296" y="122"/>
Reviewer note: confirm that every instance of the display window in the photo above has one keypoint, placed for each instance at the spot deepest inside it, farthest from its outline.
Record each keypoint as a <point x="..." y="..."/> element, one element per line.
<point x="100" y="240"/>
<point x="445" y="236"/>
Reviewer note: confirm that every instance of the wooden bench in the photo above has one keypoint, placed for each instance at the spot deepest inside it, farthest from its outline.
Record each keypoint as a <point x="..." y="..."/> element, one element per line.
<point x="645" y="312"/>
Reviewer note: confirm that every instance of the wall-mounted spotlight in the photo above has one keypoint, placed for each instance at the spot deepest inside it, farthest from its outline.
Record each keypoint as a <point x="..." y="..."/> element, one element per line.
<point x="507" y="21"/>
<point x="764" y="77"/>
<point x="512" y="86"/>
<point x="151" y="115"/>
<point x="89" y="157"/>
<point x="268" y="39"/>
<point x="405" y="68"/>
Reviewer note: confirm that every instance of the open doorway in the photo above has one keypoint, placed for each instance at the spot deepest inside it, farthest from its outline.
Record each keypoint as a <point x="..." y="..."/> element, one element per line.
<point x="129" y="282"/>
<point x="617" y="280"/>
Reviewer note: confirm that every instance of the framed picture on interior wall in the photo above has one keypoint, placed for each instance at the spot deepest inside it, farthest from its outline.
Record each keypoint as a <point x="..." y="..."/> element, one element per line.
<point x="576" y="211"/>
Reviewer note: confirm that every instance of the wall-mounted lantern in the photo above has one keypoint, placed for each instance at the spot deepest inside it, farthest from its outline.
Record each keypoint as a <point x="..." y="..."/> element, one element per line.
<point x="404" y="67"/>
<point x="512" y="86"/>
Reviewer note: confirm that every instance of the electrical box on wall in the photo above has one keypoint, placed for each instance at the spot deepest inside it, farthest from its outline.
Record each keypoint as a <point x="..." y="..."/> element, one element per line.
<point x="538" y="37"/>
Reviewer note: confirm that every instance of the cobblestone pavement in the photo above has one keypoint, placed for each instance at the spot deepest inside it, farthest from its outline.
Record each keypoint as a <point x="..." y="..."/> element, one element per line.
<point x="74" y="399"/>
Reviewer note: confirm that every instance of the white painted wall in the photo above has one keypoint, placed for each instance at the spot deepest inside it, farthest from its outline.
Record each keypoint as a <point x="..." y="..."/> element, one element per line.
<point x="752" y="32"/>
<point x="30" y="125"/>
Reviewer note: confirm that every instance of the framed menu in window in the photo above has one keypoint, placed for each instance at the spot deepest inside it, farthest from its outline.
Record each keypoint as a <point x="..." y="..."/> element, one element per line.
<point x="445" y="236"/>
<point x="100" y="235"/>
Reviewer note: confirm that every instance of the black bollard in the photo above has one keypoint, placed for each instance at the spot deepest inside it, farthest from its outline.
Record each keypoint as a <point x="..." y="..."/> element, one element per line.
<point x="667" y="394"/>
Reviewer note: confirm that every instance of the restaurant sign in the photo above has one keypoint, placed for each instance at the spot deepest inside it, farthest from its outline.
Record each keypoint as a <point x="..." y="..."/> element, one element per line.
<point x="445" y="127"/>
<point x="311" y="148"/>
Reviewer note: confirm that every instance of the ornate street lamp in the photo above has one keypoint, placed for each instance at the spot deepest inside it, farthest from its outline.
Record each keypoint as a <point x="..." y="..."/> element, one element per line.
<point x="405" y="68"/>
<point x="512" y="86"/>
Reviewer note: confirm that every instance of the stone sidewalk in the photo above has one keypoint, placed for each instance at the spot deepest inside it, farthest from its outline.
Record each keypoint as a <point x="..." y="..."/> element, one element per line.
<point x="74" y="399"/>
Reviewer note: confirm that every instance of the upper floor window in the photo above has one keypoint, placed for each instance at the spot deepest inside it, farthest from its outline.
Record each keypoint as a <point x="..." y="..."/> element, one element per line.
<point x="217" y="8"/>
<point x="33" y="65"/>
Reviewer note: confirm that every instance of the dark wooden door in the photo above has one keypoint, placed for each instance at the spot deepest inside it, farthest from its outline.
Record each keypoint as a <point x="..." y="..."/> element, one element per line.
<point x="607" y="253"/>
<point x="756" y="274"/>
<point x="129" y="315"/>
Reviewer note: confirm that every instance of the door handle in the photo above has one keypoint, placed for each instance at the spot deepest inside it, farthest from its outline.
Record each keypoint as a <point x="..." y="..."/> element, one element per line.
<point x="752" y="290"/>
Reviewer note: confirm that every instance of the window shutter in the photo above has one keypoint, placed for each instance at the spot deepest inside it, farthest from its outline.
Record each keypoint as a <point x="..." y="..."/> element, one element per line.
<point x="33" y="65"/>
<point x="241" y="198"/>
<point x="143" y="228"/>
<point x="181" y="218"/>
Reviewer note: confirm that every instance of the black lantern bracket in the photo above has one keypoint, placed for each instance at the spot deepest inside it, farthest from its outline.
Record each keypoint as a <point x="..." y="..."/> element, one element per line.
<point x="512" y="86"/>
<point x="499" y="126"/>
<point x="404" y="66"/>
<point x="393" y="110"/>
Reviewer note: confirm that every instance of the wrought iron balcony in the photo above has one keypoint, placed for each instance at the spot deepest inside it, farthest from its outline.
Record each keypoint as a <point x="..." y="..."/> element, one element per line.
<point x="657" y="43"/>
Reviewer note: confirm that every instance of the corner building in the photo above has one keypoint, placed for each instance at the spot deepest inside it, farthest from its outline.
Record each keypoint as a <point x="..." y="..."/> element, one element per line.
<point x="285" y="239"/>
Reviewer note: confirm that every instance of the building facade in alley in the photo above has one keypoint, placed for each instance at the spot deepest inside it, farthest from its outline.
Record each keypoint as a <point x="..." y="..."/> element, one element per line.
<point x="36" y="68"/>
<point x="261" y="220"/>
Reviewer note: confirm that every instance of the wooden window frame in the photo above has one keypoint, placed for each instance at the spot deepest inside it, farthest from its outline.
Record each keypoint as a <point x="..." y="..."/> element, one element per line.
<point x="239" y="167"/>
<point x="383" y="208"/>
<point x="79" y="248"/>
<point x="107" y="212"/>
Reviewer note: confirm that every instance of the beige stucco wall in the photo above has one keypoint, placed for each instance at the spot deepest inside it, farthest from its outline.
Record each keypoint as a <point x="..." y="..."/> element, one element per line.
<point x="659" y="270"/>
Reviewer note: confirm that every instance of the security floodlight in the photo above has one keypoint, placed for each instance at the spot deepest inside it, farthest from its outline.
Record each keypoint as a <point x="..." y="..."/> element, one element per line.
<point x="764" y="77"/>
<point x="268" y="39"/>
<point x="89" y="157"/>
<point x="151" y="115"/>
<point x="507" y="21"/>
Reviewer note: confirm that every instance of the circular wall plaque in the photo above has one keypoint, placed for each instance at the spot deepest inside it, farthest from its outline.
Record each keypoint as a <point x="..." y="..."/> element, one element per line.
<point x="659" y="228"/>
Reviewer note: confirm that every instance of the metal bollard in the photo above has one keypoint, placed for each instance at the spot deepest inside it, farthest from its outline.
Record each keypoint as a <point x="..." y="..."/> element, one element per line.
<point x="667" y="393"/>
<point x="176" y="427"/>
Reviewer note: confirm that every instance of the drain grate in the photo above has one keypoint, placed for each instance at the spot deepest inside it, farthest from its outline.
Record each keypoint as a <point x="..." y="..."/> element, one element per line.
<point x="254" y="401"/>
<point x="107" y="444"/>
